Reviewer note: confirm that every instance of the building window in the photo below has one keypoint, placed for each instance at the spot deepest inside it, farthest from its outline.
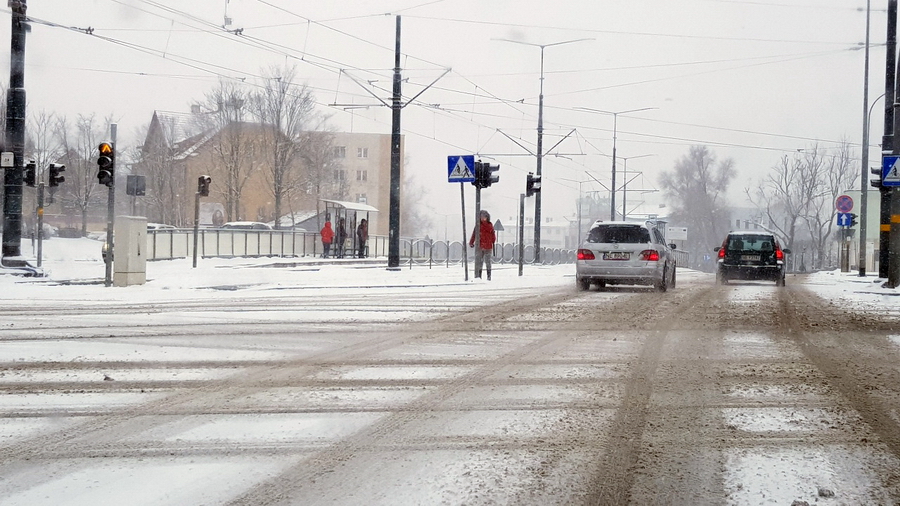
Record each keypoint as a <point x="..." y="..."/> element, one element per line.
<point x="361" y="198"/>
<point x="362" y="175"/>
<point x="340" y="151"/>
<point x="737" y="224"/>
<point x="340" y="175"/>
<point x="362" y="152"/>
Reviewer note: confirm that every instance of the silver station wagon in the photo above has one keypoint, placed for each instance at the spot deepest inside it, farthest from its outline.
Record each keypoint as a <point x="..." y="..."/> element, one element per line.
<point x="625" y="253"/>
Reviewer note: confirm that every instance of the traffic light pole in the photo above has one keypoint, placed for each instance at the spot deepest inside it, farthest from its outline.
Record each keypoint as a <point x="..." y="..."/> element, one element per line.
<point x="40" y="223"/>
<point x="196" y="224"/>
<point x="465" y="255"/>
<point x="110" y="213"/>
<point x="521" y="231"/>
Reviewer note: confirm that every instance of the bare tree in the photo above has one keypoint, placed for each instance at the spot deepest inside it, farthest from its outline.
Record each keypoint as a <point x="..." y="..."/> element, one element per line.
<point x="696" y="189"/>
<point x="320" y="163"/>
<point x="833" y="174"/>
<point x="166" y="178"/>
<point x="783" y="196"/>
<point x="78" y="143"/>
<point x="41" y="146"/>
<point x="415" y="218"/>
<point x="237" y="155"/>
<point x="284" y="109"/>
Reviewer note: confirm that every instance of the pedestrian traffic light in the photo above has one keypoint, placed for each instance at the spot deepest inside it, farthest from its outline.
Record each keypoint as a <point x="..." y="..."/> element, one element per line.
<point x="30" y="173"/>
<point x="852" y="219"/>
<point x="532" y="184"/>
<point x="203" y="185"/>
<point x="55" y="176"/>
<point x="106" y="164"/>
<point x="490" y="174"/>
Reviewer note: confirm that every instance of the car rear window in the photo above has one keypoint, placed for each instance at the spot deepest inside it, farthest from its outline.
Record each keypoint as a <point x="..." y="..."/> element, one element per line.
<point x="619" y="234"/>
<point x="751" y="243"/>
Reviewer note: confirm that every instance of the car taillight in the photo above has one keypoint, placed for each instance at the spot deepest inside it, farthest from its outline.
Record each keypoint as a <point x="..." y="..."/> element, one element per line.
<point x="779" y="255"/>
<point x="585" y="254"/>
<point x="650" y="255"/>
<point x="722" y="253"/>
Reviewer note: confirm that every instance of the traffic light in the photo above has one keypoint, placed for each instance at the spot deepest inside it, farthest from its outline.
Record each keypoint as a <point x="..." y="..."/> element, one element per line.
<point x="876" y="171"/>
<point x="852" y="219"/>
<point x="532" y="184"/>
<point x="55" y="177"/>
<point x="203" y="185"/>
<point x="490" y="174"/>
<point x="30" y="173"/>
<point x="106" y="164"/>
<point x="479" y="175"/>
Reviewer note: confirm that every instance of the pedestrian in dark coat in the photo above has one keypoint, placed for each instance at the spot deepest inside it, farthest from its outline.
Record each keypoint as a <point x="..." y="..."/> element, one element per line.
<point x="341" y="237"/>
<point x="362" y="235"/>
<point x="483" y="238"/>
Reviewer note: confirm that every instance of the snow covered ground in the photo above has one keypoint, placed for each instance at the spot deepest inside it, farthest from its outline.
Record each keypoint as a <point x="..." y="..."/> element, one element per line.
<point x="75" y="273"/>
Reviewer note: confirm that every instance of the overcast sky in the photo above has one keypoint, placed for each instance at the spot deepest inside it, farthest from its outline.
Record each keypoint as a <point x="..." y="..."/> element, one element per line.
<point x="753" y="80"/>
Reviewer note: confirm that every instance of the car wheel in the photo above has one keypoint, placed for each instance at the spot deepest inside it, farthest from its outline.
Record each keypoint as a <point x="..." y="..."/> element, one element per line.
<point x="601" y="286"/>
<point x="583" y="284"/>
<point x="672" y="282"/>
<point x="720" y="278"/>
<point x="662" y="284"/>
<point x="779" y="281"/>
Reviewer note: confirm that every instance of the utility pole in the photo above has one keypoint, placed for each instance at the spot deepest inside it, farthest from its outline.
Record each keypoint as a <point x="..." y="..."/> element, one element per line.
<point x="394" y="221"/>
<point x="887" y="142"/>
<point x="864" y="180"/>
<point x="15" y="140"/>
<point x="894" y="256"/>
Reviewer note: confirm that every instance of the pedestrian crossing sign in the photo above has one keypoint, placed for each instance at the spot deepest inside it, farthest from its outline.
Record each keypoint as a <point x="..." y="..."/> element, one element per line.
<point x="461" y="169"/>
<point x="890" y="172"/>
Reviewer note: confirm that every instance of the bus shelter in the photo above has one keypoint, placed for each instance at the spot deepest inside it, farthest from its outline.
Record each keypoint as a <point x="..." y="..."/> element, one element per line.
<point x="347" y="214"/>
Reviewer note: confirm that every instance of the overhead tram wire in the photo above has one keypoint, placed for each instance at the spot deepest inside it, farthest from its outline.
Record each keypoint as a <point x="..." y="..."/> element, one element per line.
<point x="198" y="65"/>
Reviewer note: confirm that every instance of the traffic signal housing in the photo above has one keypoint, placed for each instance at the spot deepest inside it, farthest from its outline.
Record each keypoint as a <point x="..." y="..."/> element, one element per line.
<point x="30" y="173"/>
<point x="532" y="184"/>
<point x="106" y="164"/>
<point x="490" y="174"/>
<point x="55" y="176"/>
<point x="479" y="175"/>
<point x="876" y="182"/>
<point x="853" y="219"/>
<point x="203" y="185"/>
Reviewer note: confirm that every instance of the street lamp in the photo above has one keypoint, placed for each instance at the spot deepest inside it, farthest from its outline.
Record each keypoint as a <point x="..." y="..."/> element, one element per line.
<point x="615" y="114"/>
<point x="625" y="185"/>
<point x="540" y="140"/>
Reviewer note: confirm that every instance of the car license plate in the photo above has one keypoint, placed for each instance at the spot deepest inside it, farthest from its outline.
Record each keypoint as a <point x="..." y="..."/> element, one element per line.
<point x="616" y="255"/>
<point x="750" y="258"/>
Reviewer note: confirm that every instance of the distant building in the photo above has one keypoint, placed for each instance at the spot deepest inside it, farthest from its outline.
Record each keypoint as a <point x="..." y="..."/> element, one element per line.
<point x="177" y="151"/>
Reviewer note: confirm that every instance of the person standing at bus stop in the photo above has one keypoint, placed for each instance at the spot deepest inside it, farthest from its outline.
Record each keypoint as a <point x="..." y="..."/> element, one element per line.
<point x="483" y="238"/>
<point x="362" y="235"/>
<point x="327" y="235"/>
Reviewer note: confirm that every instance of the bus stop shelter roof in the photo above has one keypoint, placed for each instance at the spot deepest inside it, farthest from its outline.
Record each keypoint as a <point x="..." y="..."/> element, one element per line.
<point x="351" y="206"/>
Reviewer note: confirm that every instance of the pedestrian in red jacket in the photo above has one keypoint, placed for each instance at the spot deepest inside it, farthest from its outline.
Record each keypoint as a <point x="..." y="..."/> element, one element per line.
<point x="484" y="250"/>
<point x="327" y="235"/>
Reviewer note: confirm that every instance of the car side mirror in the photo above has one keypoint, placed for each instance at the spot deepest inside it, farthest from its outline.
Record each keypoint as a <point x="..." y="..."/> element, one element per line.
<point x="787" y="251"/>
<point x="717" y="248"/>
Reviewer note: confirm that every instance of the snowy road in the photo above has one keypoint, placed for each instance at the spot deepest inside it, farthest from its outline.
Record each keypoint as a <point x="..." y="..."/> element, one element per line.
<point x="740" y="394"/>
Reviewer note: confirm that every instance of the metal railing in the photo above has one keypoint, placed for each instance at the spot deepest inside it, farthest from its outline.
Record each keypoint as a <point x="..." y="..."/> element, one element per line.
<point x="227" y="243"/>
